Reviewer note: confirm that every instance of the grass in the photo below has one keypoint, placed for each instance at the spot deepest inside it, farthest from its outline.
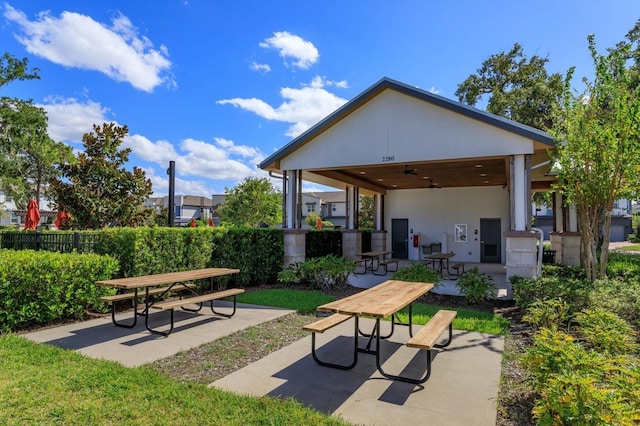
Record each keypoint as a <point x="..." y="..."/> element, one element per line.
<point x="306" y="301"/>
<point x="42" y="384"/>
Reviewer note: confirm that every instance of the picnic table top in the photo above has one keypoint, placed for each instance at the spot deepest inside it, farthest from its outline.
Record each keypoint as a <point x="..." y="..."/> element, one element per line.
<point x="167" y="278"/>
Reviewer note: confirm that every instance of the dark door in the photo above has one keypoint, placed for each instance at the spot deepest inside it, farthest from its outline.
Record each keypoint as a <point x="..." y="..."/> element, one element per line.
<point x="400" y="238"/>
<point x="490" y="240"/>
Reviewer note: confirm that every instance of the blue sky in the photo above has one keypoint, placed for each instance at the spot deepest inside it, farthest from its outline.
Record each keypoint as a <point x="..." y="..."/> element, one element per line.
<point x="217" y="86"/>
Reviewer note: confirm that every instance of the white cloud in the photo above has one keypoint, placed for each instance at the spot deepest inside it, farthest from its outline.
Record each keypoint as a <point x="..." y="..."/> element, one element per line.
<point x="160" y="184"/>
<point x="263" y="68"/>
<point x="289" y="45"/>
<point x="303" y="107"/>
<point x="160" y="152"/>
<point x="70" y="118"/>
<point x="78" y="41"/>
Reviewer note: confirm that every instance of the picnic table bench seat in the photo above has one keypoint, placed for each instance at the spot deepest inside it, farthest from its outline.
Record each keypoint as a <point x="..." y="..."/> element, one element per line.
<point x="458" y="268"/>
<point x="384" y="264"/>
<point x="324" y="324"/>
<point x="170" y="305"/>
<point x="152" y="292"/>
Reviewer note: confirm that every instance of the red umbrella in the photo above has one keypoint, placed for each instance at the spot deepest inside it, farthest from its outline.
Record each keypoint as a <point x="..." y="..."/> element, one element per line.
<point x="211" y="222"/>
<point x="62" y="219"/>
<point x="193" y="223"/>
<point x="318" y="223"/>
<point x="32" y="219"/>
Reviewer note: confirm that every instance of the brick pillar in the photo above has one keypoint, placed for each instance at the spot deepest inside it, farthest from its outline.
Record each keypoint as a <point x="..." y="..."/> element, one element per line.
<point x="522" y="253"/>
<point x="351" y="243"/>
<point x="378" y="240"/>
<point x="294" y="246"/>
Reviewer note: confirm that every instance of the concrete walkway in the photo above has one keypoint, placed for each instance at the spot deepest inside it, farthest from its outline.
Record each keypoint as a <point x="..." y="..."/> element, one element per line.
<point x="462" y="390"/>
<point x="132" y="347"/>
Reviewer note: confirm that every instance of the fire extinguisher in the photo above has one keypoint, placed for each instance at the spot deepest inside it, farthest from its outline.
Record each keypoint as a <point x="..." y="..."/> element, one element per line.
<point x="415" y="240"/>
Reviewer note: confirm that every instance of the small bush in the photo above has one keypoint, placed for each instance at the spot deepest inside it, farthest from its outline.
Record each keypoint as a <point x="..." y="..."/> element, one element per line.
<point x="553" y="314"/>
<point x="416" y="272"/>
<point x="621" y="297"/>
<point x="324" y="273"/>
<point x="606" y="332"/>
<point x="575" y="292"/>
<point x="476" y="286"/>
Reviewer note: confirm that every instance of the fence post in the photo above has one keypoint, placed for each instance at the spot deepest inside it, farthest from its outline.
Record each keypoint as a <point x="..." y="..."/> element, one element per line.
<point x="76" y="241"/>
<point x="37" y="240"/>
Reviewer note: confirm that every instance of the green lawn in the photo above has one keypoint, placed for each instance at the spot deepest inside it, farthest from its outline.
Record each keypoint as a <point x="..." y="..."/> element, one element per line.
<point x="306" y="302"/>
<point x="42" y="384"/>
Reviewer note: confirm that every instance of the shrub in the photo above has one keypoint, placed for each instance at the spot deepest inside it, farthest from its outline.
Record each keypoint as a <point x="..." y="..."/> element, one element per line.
<point x="606" y="332"/>
<point x="623" y="265"/>
<point x="324" y="242"/>
<point x="578" y="382"/>
<point x="325" y="272"/>
<point x="416" y="272"/>
<point x="476" y="286"/>
<point x="621" y="297"/>
<point x="575" y="292"/>
<point x="42" y="287"/>
<point x="553" y="314"/>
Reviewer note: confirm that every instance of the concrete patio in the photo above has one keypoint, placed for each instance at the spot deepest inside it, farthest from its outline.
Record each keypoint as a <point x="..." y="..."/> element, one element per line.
<point x="467" y="372"/>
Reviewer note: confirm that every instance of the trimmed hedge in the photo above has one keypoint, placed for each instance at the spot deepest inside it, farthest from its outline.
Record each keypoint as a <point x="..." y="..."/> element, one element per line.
<point x="155" y="250"/>
<point x="42" y="287"/>
<point x="257" y="252"/>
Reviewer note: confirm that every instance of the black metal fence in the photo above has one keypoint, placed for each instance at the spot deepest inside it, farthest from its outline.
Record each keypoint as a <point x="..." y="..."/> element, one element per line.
<point x="83" y="242"/>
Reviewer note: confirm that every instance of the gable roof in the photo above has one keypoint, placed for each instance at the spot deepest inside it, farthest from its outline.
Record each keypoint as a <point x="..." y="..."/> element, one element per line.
<point x="387" y="83"/>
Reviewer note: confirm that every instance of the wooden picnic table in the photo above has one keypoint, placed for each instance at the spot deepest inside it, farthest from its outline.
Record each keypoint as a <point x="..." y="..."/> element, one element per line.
<point x="440" y="259"/>
<point x="171" y="282"/>
<point x="381" y="301"/>
<point x="372" y="257"/>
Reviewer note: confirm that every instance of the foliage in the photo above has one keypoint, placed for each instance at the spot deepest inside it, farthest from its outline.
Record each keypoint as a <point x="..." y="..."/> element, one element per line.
<point x="416" y="272"/>
<point x="325" y="273"/>
<point x="43" y="384"/>
<point x="320" y="243"/>
<point x="253" y="202"/>
<point x="97" y="189"/>
<point x="476" y="286"/>
<point x="553" y="314"/>
<point x="257" y="252"/>
<point x="605" y="332"/>
<point x="577" y="384"/>
<point x="312" y="219"/>
<point x="143" y="251"/>
<point x="520" y="89"/>
<point x="564" y="286"/>
<point x="366" y="213"/>
<point x="598" y="146"/>
<point x="621" y="297"/>
<point x="623" y="265"/>
<point x="27" y="154"/>
<point x="42" y="287"/>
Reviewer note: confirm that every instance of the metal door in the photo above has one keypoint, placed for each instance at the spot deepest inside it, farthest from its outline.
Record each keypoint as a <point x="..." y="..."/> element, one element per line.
<point x="400" y="238"/>
<point x="490" y="241"/>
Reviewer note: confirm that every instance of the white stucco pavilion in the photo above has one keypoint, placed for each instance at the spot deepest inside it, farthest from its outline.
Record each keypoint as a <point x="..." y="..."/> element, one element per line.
<point x="438" y="169"/>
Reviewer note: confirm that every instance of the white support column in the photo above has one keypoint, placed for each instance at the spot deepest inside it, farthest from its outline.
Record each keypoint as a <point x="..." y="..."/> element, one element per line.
<point x="291" y="198"/>
<point x="572" y="222"/>
<point x="351" y="218"/>
<point x="519" y="193"/>
<point x="558" y="214"/>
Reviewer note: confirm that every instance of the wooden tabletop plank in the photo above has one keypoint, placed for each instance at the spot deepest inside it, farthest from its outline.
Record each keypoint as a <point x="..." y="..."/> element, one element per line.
<point x="379" y="301"/>
<point x="167" y="278"/>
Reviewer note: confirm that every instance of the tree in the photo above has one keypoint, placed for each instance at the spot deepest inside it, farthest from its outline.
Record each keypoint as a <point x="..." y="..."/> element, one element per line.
<point x="366" y="213"/>
<point x="252" y="202"/>
<point x="598" y="155"/>
<point x="97" y="189"/>
<point x="27" y="154"/>
<point x="520" y="89"/>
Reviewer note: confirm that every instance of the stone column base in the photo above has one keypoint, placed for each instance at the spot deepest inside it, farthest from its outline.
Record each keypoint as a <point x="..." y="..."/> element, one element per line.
<point x="570" y="247"/>
<point x="352" y="243"/>
<point x="522" y="253"/>
<point x="378" y="240"/>
<point x="294" y="246"/>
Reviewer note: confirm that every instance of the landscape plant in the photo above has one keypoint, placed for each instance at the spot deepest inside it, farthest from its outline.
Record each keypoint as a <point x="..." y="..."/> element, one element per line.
<point x="476" y="286"/>
<point x="324" y="273"/>
<point x="417" y="272"/>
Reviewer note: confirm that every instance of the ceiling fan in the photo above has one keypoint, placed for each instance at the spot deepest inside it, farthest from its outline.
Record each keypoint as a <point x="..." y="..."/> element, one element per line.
<point x="408" y="171"/>
<point x="433" y="184"/>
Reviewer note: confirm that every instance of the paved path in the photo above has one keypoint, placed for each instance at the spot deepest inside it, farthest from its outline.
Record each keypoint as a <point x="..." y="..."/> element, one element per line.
<point x="99" y="338"/>
<point x="462" y="389"/>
